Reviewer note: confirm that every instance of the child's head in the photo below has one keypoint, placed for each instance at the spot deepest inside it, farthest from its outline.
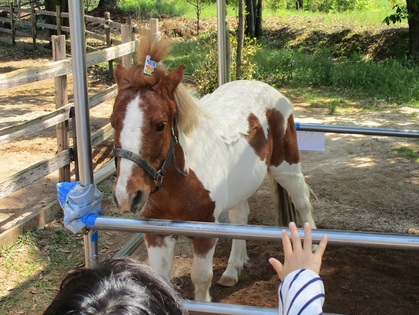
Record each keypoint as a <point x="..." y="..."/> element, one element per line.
<point x="117" y="286"/>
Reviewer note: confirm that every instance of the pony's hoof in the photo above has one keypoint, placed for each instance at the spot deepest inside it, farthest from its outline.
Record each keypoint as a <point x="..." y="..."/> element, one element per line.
<point x="227" y="282"/>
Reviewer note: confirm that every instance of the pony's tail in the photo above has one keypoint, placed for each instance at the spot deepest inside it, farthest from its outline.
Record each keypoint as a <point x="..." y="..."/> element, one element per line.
<point x="283" y="207"/>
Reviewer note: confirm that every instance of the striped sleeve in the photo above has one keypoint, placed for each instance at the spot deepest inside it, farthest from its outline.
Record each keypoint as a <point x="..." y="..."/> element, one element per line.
<point x="301" y="292"/>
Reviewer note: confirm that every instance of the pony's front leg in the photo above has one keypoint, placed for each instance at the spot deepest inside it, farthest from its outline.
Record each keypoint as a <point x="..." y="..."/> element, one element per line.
<point x="201" y="270"/>
<point x="160" y="251"/>
<point x="238" y="255"/>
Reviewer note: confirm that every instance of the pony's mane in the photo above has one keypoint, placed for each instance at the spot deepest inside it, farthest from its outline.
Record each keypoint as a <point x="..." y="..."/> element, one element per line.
<point x="188" y="109"/>
<point x="158" y="49"/>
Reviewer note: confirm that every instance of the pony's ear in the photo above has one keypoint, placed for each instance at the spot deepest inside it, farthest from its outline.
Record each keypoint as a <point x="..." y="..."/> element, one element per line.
<point x="172" y="80"/>
<point x="121" y="77"/>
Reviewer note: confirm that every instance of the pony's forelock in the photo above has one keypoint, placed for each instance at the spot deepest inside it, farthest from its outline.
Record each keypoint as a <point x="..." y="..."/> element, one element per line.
<point x="158" y="49"/>
<point x="154" y="46"/>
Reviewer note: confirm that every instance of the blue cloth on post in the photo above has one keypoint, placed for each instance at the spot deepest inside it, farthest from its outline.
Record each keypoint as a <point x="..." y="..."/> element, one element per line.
<point x="77" y="201"/>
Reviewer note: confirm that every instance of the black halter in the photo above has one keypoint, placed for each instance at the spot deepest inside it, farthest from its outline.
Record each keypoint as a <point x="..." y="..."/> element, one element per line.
<point x="157" y="176"/>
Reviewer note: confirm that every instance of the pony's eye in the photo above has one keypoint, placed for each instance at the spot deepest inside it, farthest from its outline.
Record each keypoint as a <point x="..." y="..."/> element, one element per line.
<point x="160" y="127"/>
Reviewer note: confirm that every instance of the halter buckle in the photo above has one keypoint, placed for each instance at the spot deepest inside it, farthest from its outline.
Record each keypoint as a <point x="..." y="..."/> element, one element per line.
<point x="158" y="180"/>
<point x="174" y="136"/>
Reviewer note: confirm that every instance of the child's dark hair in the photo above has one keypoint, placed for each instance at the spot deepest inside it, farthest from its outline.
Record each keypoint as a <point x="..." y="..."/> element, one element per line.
<point x="116" y="287"/>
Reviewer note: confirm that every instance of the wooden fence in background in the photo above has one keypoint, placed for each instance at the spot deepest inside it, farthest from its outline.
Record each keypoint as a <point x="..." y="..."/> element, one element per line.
<point x="62" y="115"/>
<point x="27" y="21"/>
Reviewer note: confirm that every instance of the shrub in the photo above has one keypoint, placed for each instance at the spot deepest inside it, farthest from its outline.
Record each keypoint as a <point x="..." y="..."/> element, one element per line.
<point x="206" y="70"/>
<point x="322" y="5"/>
<point x="153" y="8"/>
<point x="393" y="80"/>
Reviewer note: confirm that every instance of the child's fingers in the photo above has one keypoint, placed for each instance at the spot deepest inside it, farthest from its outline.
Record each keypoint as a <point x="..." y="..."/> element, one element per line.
<point x="286" y="243"/>
<point x="296" y="241"/>
<point x="308" y="242"/>
<point x="322" y="246"/>
<point x="277" y="265"/>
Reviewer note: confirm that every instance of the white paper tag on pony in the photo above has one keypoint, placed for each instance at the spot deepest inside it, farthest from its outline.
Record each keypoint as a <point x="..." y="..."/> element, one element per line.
<point x="149" y="65"/>
<point x="311" y="140"/>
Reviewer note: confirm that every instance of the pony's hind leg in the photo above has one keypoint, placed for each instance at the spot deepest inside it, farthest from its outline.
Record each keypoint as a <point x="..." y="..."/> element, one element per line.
<point x="201" y="270"/>
<point x="290" y="177"/>
<point x="238" y="255"/>
<point x="160" y="251"/>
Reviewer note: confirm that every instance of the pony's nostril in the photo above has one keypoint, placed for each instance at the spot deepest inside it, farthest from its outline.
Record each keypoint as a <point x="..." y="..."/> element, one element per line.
<point x="137" y="200"/>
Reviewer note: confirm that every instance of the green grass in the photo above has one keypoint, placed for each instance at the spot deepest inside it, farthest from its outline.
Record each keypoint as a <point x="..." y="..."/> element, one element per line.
<point x="324" y="51"/>
<point x="408" y="152"/>
<point x="391" y="80"/>
<point x="372" y="14"/>
<point x="154" y="8"/>
<point x="312" y="58"/>
<point x="32" y="265"/>
<point x="357" y="17"/>
<point x="210" y="11"/>
<point x="184" y="53"/>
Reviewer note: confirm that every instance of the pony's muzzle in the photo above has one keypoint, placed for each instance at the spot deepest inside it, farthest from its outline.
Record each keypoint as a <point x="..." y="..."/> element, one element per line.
<point x="134" y="203"/>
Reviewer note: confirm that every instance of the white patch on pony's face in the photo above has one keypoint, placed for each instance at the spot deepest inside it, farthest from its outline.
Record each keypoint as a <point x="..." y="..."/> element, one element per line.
<point x="130" y="138"/>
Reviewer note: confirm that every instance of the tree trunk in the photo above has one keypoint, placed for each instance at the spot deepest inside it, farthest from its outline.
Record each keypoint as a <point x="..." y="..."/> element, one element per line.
<point x="240" y="40"/>
<point x="299" y="4"/>
<point x="105" y="5"/>
<point x="64" y="8"/>
<point x="413" y="21"/>
<point x="250" y="18"/>
<point x="253" y="18"/>
<point x="50" y="6"/>
<point x="198" y="16"/>
<point x="228" y="51"/>
<point x="258" y="19"/>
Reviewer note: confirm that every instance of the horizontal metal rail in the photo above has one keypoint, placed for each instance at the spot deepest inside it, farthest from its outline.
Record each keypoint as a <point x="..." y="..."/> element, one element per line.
<point x="131" y="246"/>
<point x="254" y="232"/>
<point x="205" y="308"/>
<point x="358" y="130"/>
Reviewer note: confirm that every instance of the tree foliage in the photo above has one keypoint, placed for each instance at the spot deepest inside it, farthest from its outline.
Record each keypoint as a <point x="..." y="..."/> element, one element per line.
<point x="410" y="11"/>
<point x="199" y="5"/>
<point x="320" y="5"/>
<point x="206" y="71"/>
<point x="398" y="16"/>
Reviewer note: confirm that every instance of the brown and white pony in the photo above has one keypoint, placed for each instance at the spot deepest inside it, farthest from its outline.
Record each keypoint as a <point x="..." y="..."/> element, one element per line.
<point x="179" y="158"/>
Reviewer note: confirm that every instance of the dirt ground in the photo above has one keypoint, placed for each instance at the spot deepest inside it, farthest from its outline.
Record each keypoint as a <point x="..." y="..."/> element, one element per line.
<point x="362" y="183"/>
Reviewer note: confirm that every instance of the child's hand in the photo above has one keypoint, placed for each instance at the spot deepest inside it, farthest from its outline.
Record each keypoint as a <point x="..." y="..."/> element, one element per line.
<point x="297" y="256"/>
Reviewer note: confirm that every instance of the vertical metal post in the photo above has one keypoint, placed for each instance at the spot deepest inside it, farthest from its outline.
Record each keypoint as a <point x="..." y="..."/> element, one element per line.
<point x="81" y="104"/>
<point x="222" y="45"/>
